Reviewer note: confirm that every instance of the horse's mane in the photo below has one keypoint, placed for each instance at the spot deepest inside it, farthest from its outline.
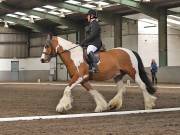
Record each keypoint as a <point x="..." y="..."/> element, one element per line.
<point x="76" y="50"/>
<point x="66" y="44"/>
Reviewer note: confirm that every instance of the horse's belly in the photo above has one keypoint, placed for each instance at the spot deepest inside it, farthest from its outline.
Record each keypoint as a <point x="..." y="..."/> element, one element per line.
<point x="106" y="73"/>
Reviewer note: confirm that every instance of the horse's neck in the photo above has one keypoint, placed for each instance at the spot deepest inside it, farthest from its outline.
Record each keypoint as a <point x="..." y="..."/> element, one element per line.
<point x="72" y="58"/>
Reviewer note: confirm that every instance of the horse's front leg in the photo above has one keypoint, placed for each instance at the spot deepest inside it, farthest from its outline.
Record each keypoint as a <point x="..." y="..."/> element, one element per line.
<point x="101" y="104"/>
<point x="65" y="102"/>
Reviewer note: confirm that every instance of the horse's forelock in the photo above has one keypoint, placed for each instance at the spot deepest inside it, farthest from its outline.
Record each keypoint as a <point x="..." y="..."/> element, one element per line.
<point x="49" y="36"/>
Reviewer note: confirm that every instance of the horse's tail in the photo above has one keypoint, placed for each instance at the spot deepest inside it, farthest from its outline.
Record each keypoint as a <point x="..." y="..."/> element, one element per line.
<point x="143" y="75"/>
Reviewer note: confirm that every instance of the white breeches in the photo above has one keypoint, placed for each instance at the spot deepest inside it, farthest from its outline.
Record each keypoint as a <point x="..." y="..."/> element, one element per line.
<point x="91" y="48"/>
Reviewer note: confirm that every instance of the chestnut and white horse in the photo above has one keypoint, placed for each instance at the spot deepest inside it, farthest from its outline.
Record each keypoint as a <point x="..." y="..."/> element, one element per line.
<point x="114" y="63"/>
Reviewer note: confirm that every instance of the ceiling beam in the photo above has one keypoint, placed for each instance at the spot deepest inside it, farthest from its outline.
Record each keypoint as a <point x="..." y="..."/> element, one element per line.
<point x="141" y="7"/>
<point x="103" y="16"/>
<point x="168" y="4"/>
<point x="21" y="22"/>
<point x="55" y="19"/>
<point x="24" y="23"/>
<point x="106" y="17"/>
<point x="169" y="12"/>
<point x="35" y="27"/>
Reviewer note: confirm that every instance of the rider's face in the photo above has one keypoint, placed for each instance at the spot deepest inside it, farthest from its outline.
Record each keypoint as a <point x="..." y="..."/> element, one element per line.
<point x="88" y="18"/>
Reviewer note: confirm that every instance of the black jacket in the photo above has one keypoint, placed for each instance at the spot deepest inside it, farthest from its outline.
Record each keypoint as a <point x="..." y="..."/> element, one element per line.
<point x="93" y="35"/>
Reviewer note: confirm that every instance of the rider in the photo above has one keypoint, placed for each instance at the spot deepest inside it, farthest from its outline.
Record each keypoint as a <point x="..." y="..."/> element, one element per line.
<point x="93" y="38"/>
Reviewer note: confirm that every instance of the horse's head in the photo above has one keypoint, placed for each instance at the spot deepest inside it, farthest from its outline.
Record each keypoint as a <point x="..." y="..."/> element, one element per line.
<point x="49" y="49"/>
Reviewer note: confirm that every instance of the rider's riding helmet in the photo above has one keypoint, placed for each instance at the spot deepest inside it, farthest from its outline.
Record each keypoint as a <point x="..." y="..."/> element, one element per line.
<point x="92" y="13"/>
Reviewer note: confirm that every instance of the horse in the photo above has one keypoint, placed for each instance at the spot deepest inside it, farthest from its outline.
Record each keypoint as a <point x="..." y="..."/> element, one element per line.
<point x="113" y="64"/>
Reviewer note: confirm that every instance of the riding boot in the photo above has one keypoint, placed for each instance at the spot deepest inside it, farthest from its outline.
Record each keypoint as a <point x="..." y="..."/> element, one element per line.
<point x="94" y="67"/>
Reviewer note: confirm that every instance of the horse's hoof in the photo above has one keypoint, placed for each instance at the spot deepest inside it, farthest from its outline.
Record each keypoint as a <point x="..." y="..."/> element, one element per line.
<point x="101" y="109"/>
<point x="112" y="107"/>
<point x="150" y="104"/>
<point x="61" y="108"/>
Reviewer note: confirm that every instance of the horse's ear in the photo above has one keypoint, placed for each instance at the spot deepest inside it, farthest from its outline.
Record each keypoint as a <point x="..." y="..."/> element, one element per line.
<point x="49" y="36"/>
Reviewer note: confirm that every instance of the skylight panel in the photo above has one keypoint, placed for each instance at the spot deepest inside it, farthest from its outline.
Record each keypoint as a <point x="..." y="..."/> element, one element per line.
<point x="53" y="12"/>
<point x="146" y="0"/>
<point x="173" y="21"/>
<point x="39" y="9"/>
<point x="89" y="6"/>
<point x="1" y="1"/>
<point x="177" y="17"/>
<point x="65" y="10"/>
<point x="102" y="3"/>
<point x="35" y="17"/>
<point x="73" y="2"/>
<point x="149" y="21"/>
<point x="12" y="15"/>
<point x="25" y="18"/>
<point x="87" y="0"/>
<point x="177" y="9"/>
<point x="10" y="22"/>
<point x="20" y="13"/>
<point x="143" y="0"/>
<point x="50" y="7"/>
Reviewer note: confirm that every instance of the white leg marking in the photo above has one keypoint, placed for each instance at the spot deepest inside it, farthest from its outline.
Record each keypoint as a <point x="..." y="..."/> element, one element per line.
<point x="43" y="55"/>
<point x="101" y="104"/>
<point x="65" y="102"/>
<point x="149" y="100"/>
<point x="116" y="102"/>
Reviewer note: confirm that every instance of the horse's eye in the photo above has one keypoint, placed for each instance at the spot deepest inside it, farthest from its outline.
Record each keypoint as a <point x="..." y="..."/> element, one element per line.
<point x="46" y="46"/>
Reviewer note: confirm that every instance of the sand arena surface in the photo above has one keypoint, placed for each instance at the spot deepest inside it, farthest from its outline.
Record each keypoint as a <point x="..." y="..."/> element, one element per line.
<point x="31" y="100"/>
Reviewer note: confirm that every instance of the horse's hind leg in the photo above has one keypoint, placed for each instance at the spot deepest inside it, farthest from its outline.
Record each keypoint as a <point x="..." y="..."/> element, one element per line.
<point x="116" y="102"/>
<point x="101" y="104"/>
<point x="149" y="100"/>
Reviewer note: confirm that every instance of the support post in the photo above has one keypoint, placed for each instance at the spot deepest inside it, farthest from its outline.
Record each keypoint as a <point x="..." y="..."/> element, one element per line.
<point x="81" y="34"/>
<point x="162" y="22"/>
<point x="118" y="31"/>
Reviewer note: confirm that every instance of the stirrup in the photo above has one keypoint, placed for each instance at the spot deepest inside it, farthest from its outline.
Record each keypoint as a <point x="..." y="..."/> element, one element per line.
<point x="93" y="70"/>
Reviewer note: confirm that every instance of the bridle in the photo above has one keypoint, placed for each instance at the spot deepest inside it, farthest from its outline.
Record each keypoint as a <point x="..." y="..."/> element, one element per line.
<point x="51" y="55"/>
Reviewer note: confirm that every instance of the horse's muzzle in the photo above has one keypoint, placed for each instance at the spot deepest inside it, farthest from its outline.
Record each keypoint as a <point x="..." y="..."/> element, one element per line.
<point x="42" y="61"/>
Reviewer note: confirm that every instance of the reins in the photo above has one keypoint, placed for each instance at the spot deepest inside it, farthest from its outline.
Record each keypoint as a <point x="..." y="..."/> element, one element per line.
<point x="66" y="50"/>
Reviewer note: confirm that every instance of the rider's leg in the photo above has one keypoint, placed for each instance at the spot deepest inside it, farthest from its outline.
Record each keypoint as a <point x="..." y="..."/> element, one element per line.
<point x="90" y="51"/>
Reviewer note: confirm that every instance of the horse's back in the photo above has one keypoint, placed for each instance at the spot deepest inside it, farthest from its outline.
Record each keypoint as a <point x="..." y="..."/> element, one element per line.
<point x="116" y="53"/>
<point x="120" y="57"/>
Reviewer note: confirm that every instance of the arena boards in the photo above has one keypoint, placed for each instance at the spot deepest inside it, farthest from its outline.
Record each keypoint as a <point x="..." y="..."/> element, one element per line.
<point x="93" y="84"/>
<point x="68" y="116"/>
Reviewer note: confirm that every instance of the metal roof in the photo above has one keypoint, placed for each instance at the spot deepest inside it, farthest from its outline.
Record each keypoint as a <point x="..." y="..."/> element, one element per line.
<point x="42" y="15"/>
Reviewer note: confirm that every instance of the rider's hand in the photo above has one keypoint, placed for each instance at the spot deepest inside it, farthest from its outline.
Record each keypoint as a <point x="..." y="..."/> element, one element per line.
<point x="82" y="43"/>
